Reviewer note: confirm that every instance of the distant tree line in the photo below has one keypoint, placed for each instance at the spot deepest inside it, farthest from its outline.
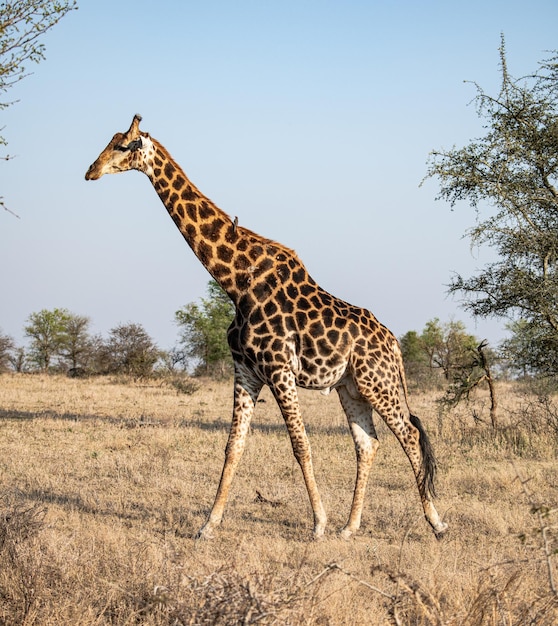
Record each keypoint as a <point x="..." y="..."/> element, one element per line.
<point x="59" y="341"/>
<point x="442" y="357"/>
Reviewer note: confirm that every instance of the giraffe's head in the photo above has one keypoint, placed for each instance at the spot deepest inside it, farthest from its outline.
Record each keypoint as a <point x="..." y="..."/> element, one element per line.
<point x="125" y="151"/>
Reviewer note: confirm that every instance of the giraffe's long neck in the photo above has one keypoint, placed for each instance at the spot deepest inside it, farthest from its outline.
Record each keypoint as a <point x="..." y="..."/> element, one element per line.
<point x="249" y="268"/>
<point x="208" y="230"/>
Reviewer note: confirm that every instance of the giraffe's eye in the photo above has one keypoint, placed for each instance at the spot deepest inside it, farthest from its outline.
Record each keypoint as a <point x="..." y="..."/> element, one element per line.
<point x="121" y="148"/>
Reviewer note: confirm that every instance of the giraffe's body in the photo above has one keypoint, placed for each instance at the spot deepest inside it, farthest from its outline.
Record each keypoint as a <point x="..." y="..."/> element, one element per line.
<point x="287" y="332"/>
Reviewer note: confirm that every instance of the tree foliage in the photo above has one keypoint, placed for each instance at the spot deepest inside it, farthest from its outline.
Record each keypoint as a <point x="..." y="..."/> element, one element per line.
<point x="7" y="347"/>
<point x="509" y="176"/>
<point x="60" y="341"/>
<point x="437" y="353"/>
<point x="129" y="350"/>
<point x="530" y="349"/>
<point x="22" y="25"/>
<point x="47" y="333"/>
<point x="447" y="357"/>
<point x="77" y="347"/>
<point x="204" y="331"/>
<point x="416" y="359"/>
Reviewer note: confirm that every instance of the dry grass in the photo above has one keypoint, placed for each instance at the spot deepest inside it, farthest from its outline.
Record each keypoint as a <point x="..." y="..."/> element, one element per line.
<point x="103" y="487"/>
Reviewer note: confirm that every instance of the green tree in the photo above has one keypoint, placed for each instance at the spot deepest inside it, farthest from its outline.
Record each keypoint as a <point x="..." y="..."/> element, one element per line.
<point x="447" y="345"/>
<point x="59" y="338"/>
<point x="47" y="332"/>
<point x="440" y="348"/>
<point x="415" y="358"/>
<point x="22" y="25"/>
<point x="432" y="340"/>
<point x="509" y="176"/>
<point x="204" y="331"/>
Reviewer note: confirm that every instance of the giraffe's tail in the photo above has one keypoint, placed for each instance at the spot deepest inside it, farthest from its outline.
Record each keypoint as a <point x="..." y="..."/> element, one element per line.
<point x="429" y="466"/>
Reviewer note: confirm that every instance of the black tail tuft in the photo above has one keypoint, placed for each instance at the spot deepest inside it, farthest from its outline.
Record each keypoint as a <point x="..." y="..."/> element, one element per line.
<point x="426" y="483"/>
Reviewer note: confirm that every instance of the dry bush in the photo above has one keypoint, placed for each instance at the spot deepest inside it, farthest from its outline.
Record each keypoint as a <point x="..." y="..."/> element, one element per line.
<point x="25" y="576"/>
<point x="225" y="597"/>
<point x="537" y="409"/>
<point x="503" y="593"/>
<point x="528" y="422"/>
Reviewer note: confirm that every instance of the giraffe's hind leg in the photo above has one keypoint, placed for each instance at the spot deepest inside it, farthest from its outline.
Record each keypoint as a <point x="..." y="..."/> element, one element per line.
<point x="414" y="441"/>
<point x="359" y="415"/>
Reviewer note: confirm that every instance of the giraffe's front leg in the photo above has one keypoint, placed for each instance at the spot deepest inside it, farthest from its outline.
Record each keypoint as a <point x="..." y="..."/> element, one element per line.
<point x="287" y="398"/>
<point x="245" y="396"/>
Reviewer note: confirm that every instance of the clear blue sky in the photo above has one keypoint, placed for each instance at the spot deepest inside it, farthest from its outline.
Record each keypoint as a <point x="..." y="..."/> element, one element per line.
<point x="309" y="120"/>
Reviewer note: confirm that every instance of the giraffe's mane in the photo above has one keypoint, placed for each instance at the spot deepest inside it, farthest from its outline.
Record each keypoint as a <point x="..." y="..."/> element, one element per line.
<point x="269" y="242"/>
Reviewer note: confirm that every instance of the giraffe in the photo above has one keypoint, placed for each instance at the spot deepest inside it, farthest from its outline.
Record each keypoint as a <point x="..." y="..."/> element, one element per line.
<point x="287" y="332"/>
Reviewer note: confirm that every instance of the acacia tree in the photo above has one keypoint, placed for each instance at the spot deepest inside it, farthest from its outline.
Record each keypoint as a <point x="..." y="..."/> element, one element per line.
<point x="204" y="331"/>
<point x="59" y="338"/>
<point x="530" y="349"/>
<point x="510" y="177"/>
<point x="447" y="345"/>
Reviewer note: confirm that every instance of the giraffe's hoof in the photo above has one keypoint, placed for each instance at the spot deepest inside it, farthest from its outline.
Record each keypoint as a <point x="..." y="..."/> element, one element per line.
<point x="204" y="532"/>
<point x="318" y="534"/>
<point x="201" y="536"/>
<point x="439" y="533"/>
<point x="346" y="534"/>
<point x="320" y="522"/>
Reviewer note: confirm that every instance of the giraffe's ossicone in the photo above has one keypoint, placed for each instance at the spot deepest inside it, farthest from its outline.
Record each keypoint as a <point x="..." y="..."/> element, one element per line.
<point x="287" y="332"/>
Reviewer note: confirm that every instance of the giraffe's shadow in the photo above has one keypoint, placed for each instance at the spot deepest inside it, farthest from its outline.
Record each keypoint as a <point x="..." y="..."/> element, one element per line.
<point x="215" y="425"/>
<point x="18" y="415"/>
<point x="219" y="425"/>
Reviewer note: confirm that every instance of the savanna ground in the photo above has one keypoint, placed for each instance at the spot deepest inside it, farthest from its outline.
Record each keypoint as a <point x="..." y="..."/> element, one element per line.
<point x="103" y="486"/>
